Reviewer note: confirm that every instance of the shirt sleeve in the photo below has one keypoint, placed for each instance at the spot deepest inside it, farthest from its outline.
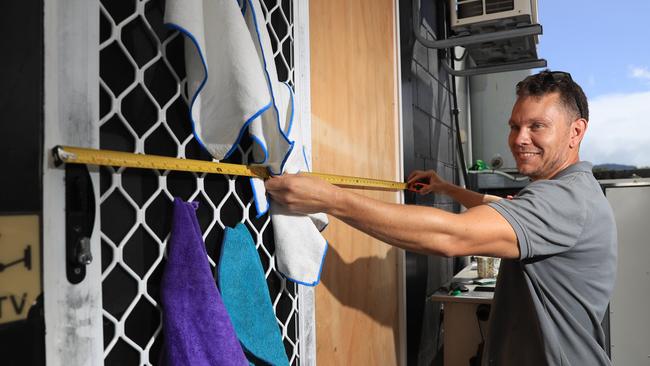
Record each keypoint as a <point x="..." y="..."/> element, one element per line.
<point x="547" y="217"/>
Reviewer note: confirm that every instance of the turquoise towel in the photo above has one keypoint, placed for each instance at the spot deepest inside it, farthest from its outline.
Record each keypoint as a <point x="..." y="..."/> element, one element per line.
<point x="246" y="297"/>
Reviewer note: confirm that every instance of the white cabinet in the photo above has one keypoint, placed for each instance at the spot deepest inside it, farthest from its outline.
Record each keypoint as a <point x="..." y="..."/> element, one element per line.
<point x="629" y="317"/>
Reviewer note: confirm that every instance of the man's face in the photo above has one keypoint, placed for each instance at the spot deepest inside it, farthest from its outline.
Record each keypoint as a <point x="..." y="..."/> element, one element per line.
<point x="540" y="136"/>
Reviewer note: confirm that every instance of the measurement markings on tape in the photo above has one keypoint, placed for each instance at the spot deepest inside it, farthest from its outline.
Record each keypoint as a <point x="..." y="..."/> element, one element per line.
<point x="79" y="155"/>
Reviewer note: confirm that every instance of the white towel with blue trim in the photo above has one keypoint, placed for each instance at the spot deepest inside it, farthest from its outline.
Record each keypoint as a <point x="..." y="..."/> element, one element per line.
<point x="228" y="82"/>
<point x="299" y="246"/>
<point x="233" y="87"/>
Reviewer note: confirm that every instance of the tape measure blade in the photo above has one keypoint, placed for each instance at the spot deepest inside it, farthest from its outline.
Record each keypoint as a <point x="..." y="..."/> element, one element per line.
<point x="79" y="155"/>
<point x="76" y="155"/>
<point x="360" y="183"/>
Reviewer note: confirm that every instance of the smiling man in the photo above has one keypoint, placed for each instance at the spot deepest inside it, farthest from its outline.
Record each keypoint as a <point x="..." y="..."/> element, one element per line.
<point x="557" y="236"/>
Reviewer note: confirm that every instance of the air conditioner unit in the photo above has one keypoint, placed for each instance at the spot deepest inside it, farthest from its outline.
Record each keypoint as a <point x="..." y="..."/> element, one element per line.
<point x="468" y="15"/>
<point x="474" y="17"/>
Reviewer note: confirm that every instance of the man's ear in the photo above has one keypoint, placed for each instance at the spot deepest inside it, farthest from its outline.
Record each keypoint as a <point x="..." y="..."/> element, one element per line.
<point x="578" y="129"/>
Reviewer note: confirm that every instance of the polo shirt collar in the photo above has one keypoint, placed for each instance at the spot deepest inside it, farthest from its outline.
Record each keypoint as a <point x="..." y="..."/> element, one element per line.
<point x="581" y="166"/>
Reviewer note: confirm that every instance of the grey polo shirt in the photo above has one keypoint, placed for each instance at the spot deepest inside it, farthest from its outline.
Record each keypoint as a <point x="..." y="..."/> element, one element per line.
<point x="549" y="304"/>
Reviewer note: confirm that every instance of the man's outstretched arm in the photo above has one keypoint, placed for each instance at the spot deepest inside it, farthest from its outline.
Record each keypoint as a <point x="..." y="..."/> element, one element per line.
<point x="478" y="231"/>
<point x="432" y="183"/>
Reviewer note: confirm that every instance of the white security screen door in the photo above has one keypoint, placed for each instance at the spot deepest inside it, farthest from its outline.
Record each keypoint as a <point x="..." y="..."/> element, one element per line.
<point x="131" y="83"/>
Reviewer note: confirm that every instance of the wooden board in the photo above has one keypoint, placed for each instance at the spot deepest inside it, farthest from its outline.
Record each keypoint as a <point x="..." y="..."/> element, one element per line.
<point x="355" y="131"/>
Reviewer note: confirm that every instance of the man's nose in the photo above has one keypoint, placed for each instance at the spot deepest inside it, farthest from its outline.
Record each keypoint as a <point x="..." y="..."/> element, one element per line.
<point x="522" y="137"/>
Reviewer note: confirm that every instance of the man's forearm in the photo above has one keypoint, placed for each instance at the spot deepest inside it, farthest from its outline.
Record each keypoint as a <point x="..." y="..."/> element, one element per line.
<point x="466" y="197"/>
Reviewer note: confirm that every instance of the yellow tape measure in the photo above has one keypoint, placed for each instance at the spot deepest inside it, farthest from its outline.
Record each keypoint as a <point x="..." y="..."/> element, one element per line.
<point x="79" y="155"/>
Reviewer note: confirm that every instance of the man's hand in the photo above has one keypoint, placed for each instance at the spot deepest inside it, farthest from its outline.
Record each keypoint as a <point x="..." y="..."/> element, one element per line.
<point x="430" y="180"/>
<point x="302" y="193"/>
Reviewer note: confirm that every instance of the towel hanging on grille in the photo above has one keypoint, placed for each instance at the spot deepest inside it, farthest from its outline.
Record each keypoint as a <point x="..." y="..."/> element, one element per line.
<point x="246" y="297"/>
<point x="231" y="82"/>
<point x="233" y="37"/>
<point x="299" y="247"/>
<point x="196" y="327"/>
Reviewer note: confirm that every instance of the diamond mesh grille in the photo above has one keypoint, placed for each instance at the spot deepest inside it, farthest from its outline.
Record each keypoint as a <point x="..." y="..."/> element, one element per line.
<point x="144" y="109"/>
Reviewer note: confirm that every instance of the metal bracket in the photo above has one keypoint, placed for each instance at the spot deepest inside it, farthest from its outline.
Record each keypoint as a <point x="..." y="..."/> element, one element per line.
<point x="481" y="70"/>
<point x="79" y="221"/>
<point x="462" y="41"/>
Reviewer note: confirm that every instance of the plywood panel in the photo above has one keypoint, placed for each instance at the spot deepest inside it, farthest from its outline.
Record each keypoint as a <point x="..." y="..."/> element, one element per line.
<point x="355" y="132"/>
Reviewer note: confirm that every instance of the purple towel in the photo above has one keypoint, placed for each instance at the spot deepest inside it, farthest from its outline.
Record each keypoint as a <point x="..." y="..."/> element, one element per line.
<point x="196" y="326"/>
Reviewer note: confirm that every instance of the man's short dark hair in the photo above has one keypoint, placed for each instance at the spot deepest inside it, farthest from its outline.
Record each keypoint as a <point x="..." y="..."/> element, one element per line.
<point x="547" y="82"/>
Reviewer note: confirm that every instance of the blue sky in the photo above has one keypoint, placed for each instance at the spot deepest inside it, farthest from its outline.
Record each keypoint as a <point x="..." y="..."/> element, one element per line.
<point x="605" y="45"/>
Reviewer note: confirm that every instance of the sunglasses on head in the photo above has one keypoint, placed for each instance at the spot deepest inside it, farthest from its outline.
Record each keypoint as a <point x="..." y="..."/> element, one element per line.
<point x="564" y="76"/>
